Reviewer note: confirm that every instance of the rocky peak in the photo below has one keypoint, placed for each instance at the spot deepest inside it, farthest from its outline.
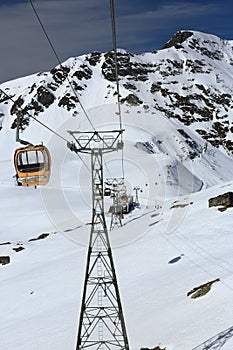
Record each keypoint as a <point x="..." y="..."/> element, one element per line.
<point x="178" y="39"/>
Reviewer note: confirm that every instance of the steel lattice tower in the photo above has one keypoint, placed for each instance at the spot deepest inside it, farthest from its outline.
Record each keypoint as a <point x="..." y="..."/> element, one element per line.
<point x="101" y="322"/>
<point x="116" y="185"/>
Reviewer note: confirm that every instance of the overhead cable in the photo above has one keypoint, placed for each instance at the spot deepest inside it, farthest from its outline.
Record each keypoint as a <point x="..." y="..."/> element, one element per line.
<point x="60" y="63"/>
<point x="115" y="58"/>
<point x="117" y="76"/>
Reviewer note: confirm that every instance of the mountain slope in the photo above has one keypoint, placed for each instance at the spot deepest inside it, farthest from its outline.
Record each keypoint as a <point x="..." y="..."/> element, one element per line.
<point x="176" y="107"/>
<point x="189" y="81"/>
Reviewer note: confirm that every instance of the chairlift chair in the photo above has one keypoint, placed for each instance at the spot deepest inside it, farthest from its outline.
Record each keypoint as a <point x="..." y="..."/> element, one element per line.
<point x="32" y="165"/>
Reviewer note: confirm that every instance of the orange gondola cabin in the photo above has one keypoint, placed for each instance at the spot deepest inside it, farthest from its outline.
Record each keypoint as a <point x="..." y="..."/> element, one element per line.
<point x="32" y="165"/>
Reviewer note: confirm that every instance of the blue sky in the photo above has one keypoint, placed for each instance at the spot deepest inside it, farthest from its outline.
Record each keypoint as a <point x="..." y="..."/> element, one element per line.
<point x="76" y="27"/>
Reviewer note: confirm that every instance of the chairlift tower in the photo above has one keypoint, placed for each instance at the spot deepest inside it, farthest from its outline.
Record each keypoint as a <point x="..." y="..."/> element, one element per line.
<point x="116" y="185"/>
<point x="137" y="189"/>
<point x="101" y="322"/>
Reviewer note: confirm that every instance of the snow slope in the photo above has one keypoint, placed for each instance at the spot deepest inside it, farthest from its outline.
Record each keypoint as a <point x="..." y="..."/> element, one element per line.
<point x="173" y="243"/>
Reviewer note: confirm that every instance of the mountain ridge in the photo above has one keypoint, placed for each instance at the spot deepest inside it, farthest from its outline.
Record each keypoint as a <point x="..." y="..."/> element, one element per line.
<point x="188" y="81"/>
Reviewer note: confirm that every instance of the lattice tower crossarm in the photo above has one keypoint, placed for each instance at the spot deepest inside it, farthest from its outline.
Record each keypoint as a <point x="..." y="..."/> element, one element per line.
<point x="101" y="321"/>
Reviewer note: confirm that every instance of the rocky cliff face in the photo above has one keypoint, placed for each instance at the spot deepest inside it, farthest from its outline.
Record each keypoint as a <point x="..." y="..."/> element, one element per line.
<point x="189" y="81"/>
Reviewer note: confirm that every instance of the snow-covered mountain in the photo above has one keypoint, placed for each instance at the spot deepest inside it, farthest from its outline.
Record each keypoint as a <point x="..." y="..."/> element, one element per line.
<point x="176" y="106"/>
<point x="189" y="82"/>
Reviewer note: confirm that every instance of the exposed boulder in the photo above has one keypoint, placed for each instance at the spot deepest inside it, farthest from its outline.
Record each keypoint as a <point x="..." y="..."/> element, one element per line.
<point x="202" y="289"/>
<point x="4" y="260"/>
<point x="45" y="97"/>
<point x="132" y="100"/>
<point x="18" y="249"/>
<point x="224" y="200"/>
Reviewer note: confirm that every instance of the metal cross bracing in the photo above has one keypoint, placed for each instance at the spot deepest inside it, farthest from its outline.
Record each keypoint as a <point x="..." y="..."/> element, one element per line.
<point x="217" y="341"/>
<point x="101" y="321"/>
